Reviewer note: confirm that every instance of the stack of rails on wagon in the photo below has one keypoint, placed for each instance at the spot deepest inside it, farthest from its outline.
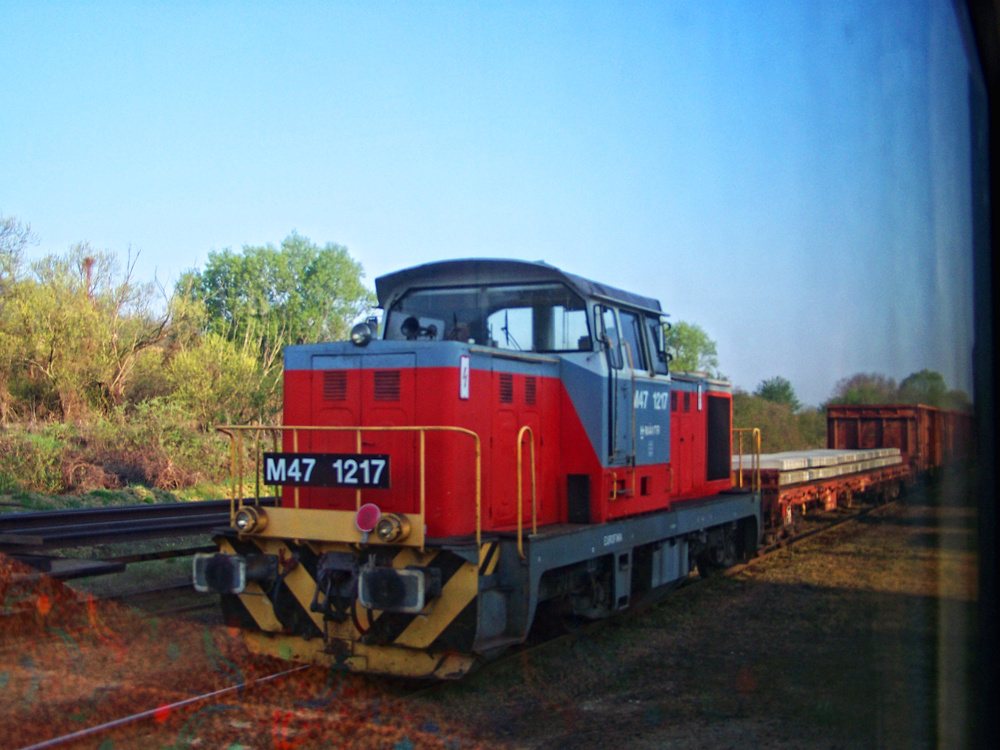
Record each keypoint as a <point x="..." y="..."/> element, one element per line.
<point x="508" y="444"/>
<point x="795" y="482"/>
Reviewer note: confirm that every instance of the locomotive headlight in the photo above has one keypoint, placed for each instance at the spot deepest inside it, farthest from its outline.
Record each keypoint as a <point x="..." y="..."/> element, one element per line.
<point x="392" y="527"/>
<point x="361" y="334"/>
<point x="250" y="519"/>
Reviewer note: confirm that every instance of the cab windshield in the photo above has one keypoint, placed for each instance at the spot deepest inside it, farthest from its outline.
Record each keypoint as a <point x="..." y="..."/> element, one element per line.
<point x="518" y="317"/>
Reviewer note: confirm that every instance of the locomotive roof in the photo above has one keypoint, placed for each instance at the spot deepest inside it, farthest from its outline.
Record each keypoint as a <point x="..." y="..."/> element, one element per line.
<point x="479" y="271"/>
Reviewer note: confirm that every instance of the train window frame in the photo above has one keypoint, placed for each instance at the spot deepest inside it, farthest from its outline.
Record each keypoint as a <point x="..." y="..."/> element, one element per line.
<point x="471" y="322"/>
<point x="613" y="347"/>
<point x="633" y="332"/>
<point x="658" y="358"/>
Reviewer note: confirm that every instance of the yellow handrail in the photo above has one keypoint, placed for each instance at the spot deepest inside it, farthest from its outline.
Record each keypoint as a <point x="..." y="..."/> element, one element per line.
<point x="520" y="483"/>
<point x="235" y="433"/>
<point x="236" y="467"/>
<point x="754" y="454"/>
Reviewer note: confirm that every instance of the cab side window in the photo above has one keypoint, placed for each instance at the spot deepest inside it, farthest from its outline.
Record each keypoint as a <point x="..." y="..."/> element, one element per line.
<point x="633" y="351"/>
<point x="608" y="327"/>
<point x="657" y="353"/>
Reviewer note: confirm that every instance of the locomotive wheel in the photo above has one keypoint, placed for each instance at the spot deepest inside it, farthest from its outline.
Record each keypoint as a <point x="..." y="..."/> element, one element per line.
<point x="718" y="558"/>
<point x="746" y="536"/>
<point x="729" y="554"/>
<point x="553" y="618"/>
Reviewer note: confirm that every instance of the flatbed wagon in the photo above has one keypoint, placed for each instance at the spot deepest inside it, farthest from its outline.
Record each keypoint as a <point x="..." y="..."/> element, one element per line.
<point x="794" y="482"/>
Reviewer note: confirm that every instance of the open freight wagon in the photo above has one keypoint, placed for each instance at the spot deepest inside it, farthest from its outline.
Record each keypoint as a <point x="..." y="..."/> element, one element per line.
<point x="927" y="437"/>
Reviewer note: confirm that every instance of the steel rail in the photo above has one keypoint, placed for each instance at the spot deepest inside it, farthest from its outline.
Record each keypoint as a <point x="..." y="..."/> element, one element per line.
<point x="109" y="530"/>
<point x="43" y="518"/>
<point x="69" y="528"/>
<point x="159" y="710"/>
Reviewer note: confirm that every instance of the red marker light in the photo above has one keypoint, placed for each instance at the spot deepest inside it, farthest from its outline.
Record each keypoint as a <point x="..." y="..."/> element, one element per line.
<point x="367" y="518"/>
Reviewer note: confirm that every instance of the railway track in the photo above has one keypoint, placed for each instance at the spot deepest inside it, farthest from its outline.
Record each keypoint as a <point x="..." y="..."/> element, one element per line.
<point x="57" y="529"/>
<point x="403" y="702"/>
<point x="33" y="537"/>
<point x="161" y="710"/>
<point x="166" y="601"/>
<point x="125" y="536"/>
<point x="836" y="644"/>
<point x="810" y="528"/>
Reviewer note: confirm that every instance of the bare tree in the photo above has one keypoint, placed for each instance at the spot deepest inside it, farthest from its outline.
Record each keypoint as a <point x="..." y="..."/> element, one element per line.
<point x="15" y="236"/>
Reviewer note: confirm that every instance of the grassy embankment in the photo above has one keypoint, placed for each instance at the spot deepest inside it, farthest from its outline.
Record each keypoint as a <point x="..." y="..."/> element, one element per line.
<point x="140" y="460"/>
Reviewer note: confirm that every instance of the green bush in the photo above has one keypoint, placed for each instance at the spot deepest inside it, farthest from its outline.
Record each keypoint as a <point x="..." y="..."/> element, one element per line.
<point x="221" y="383"/>
<point x="780" y="428"/>
<point x="155" y="445"/>
<point x="31" y="460"/>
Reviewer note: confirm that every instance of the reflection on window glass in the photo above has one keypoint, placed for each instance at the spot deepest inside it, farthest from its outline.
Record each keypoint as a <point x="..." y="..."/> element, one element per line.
<point x="609" y="327"/>
<point x="633" y="352"/>
<point x="528" y="317"/>
<point x="657" y="354"/>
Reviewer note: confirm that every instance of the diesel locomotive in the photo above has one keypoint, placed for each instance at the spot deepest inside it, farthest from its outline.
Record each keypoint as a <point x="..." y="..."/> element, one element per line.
<point x="507" y="446"/>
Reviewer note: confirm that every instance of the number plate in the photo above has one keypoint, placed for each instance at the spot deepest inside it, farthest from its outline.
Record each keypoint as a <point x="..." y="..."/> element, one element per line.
<point x="354" y="470"/>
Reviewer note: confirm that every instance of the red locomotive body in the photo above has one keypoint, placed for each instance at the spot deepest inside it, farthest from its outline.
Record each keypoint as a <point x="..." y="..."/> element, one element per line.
<point x="497" y="405"/>
<point x="512" y="447"/>
<point x="506" y="446"/>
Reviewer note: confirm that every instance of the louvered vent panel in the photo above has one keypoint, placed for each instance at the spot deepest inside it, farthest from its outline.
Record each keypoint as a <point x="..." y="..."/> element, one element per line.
<point x="335" y="386"/>
<point x="387" y="385"/>
<point x="506" y="388"/>
<point x="529" y="391"/>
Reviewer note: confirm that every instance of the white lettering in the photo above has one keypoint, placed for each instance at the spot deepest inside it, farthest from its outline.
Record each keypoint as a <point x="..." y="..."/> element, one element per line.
<point x="274" y="471"/>
<point x="350" y="471"/>
<point x="463" y="378"/>
<point x="379" y="464"/>
<point x="615" y="538"/>
<point x="311" y="463"/>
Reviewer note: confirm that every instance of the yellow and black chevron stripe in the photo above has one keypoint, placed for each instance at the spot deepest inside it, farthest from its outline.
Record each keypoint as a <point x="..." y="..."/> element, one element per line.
<point x="437" y="641"/>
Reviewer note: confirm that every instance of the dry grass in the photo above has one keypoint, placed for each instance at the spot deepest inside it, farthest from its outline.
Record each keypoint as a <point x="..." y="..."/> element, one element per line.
<point x="859" y="638"/>
<point x="69" y="663"/>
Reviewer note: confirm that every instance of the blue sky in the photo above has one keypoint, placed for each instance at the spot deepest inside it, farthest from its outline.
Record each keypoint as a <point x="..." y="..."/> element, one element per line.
<point x="791" y="176"/>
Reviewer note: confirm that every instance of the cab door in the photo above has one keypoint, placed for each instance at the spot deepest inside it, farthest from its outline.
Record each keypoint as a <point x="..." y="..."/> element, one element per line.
<point x="619" y="409"/>
<point x="649" y="415"/>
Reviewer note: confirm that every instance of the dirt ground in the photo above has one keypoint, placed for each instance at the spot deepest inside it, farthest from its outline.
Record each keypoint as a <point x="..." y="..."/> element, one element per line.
<point x="860" y="638"/>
